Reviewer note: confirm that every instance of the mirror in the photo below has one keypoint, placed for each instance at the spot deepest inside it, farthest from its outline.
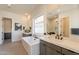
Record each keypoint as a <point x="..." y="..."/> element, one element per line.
<point x="52" y="24"/>
<point x="65" y="22"/>
<point x="70" y="22"/>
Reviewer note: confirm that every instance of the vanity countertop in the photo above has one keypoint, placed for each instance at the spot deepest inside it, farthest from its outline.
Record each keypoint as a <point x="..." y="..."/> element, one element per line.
<point x="68" y="43"/>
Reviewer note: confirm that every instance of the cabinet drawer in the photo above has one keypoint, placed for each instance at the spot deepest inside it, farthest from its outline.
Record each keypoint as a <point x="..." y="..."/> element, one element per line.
<point x="68" y="52"/>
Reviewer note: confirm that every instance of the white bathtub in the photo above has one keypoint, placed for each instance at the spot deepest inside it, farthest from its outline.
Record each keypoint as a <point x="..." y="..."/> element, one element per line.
<point x="31" y="45"/>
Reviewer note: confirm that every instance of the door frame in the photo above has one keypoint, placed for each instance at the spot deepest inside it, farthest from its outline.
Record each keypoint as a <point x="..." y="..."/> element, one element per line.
<point x="3" y="18"/>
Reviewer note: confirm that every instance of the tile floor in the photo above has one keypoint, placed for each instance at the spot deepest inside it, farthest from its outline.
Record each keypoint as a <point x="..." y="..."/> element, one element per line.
<point x="15" y="48"/>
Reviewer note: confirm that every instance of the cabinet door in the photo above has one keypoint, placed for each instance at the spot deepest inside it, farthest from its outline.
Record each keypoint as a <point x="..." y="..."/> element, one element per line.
<point x="42" y="49"/>
<point x="68" y="52"/>
<point x="53" y="46"/>
<point x="50" y="51"/>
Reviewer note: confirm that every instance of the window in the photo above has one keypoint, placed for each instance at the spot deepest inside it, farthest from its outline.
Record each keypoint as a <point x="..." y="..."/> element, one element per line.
<point x="39" y="25"/>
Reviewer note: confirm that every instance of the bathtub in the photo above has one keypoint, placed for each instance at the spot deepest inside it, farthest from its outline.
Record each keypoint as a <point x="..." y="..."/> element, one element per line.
<point x="31" y="45"/>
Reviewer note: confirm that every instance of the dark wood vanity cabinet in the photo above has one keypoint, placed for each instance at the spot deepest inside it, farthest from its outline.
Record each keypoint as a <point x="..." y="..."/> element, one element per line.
<point x="51" y="49"/>
<point x="68" y="52"/>
<point x="42" y="49"/>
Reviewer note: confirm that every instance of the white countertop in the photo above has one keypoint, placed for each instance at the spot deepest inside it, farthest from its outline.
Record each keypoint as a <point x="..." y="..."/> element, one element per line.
<point x="68" y="43"/>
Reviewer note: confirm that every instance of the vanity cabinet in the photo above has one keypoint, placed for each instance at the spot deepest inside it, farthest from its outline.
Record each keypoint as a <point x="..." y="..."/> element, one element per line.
<point x="68" y="52"/>
<point x="42" y="49"/>
<point x="51" y="51"/>
<point x="47" y="48"/>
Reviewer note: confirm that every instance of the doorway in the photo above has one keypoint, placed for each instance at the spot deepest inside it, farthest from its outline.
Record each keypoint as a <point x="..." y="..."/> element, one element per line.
<point x="7" y="29"/>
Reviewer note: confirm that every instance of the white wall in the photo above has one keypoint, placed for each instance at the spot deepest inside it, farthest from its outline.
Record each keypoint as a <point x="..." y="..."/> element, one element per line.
<point x="1" y="32"/>
<point x="16" y="35"/>
<point x="26" y="21"/>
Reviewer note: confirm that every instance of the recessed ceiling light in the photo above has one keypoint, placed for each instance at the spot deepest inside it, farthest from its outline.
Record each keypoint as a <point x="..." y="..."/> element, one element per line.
<point x="9" y="5"/>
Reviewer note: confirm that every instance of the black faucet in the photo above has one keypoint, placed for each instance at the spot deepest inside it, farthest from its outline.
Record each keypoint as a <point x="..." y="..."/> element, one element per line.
<point x="59" y="36"/>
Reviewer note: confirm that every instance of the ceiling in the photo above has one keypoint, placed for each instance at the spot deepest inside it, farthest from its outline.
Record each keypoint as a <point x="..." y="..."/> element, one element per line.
<point x="26" y="8"/>
<point x="19" y="8"/>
